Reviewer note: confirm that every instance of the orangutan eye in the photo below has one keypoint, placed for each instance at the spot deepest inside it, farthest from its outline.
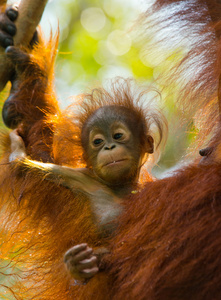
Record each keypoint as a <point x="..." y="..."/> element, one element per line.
<point x="118" y="135"/>
<point x="97" y="142"/>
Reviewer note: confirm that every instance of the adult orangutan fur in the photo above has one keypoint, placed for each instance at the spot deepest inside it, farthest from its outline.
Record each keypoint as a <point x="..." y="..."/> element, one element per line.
<point x="168" y="243"/>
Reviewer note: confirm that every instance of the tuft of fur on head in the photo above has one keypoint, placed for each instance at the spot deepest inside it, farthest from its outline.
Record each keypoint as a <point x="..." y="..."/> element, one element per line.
<point x="34" y="94"/>
<point x="126" y="93"/>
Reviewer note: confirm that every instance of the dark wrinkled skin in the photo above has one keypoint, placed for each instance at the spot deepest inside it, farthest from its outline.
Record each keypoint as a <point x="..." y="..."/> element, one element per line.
<point x="7" y="26"/>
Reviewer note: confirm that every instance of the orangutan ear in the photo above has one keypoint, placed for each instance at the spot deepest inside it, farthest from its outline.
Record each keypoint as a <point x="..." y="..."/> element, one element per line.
<point x="149" y="144"/>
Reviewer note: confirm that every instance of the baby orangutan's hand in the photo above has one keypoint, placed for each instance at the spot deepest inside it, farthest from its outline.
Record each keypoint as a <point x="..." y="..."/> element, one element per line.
<point x="17" y="146"/>
<point x="81" y="262"/>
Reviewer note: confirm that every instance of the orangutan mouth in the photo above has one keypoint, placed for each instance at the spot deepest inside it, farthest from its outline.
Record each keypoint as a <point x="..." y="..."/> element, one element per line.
<point x="115" y="162"/>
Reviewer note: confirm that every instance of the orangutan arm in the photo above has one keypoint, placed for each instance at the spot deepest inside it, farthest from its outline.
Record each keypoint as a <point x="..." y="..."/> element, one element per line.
<point x="72" y="178"/>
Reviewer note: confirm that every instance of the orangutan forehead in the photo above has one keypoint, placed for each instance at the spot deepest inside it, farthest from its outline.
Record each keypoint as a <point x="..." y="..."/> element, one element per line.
<point x="107" y="115"/>
<point x="104" y="126"/>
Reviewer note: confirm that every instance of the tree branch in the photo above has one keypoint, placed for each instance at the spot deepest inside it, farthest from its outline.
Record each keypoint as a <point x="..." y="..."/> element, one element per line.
<point x="30" y="12"/>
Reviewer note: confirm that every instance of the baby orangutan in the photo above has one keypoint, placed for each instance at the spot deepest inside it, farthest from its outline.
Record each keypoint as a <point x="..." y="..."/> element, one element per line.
<point x="115" y="144"/>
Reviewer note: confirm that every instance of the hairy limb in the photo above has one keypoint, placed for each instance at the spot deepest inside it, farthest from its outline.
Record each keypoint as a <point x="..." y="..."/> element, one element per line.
<point x="19" y="59"/>
<point x="72" y="178"/>
<point x="29" y="97"/>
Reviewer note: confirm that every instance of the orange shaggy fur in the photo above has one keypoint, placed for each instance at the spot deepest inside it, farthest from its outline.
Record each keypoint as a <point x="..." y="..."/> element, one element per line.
<point x="168" y="243"/>
<point x="42" y="220"/>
